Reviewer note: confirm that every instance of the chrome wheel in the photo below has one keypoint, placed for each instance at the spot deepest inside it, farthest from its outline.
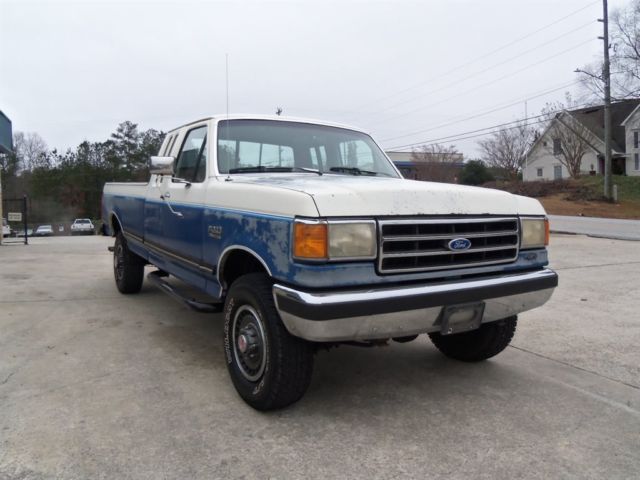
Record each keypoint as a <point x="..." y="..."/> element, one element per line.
<point x="249" y="343"/>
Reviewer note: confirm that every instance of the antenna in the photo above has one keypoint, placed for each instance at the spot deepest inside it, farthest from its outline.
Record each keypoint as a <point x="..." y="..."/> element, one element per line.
<point x="226" y="67"/>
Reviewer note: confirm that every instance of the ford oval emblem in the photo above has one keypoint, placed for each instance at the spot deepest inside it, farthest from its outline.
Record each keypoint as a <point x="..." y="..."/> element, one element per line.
<point x="458" y="244"/>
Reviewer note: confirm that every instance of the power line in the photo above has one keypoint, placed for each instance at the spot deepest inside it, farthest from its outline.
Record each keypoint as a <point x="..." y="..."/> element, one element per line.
<point x="486" y="112"/>
<point x="491" y="67"/>
<point x="511" y="74"/>
<point x="475" y="60"/>
<point x="476" y="135"/>
<point x="492" y="129"/>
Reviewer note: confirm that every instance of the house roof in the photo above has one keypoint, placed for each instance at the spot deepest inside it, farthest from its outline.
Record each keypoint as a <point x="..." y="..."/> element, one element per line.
<point x="593" y="119"/>
<point x="631" y="114"/>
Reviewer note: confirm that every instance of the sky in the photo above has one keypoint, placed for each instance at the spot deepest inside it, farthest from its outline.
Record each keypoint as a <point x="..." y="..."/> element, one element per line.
<point x="405" y="71"/>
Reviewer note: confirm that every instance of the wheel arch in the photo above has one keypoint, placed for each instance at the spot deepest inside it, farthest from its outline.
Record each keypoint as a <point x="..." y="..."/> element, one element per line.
<point x="237" y="260"/>
<point x="115" y="224"/>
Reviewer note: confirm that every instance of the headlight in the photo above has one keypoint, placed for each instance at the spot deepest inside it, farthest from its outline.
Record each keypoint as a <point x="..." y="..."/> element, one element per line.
<point x="337" y="240"/>
<point x="535" y="232"/>
<point x="352" y="240"/>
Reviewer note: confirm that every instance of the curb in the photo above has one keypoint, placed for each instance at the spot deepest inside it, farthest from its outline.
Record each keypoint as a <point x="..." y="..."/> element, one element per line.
<point x="598" y="235"/>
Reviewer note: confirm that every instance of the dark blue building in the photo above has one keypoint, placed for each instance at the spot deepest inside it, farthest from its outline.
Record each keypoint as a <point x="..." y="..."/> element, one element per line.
<point x="6" y="135"/>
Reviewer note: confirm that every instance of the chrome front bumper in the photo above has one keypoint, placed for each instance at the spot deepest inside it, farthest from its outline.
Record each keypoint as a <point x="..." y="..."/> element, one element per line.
<point x="405" y="310"/>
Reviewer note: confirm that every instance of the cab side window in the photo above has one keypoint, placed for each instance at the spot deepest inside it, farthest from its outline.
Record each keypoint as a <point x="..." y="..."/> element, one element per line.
<point x="170" y="142"/>
<point x="192" y="159"/>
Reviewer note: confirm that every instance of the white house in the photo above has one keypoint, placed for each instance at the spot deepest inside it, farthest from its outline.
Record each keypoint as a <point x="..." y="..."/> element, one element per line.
<point x="543" y="159"/>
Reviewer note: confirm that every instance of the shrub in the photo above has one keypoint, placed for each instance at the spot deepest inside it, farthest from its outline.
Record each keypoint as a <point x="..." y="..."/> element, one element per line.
<point x="533" y="189"/>
<point x="475" y="172"/>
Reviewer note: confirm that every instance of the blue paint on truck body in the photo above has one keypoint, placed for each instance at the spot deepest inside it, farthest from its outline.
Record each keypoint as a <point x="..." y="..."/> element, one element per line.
<point x="184" y="247"/>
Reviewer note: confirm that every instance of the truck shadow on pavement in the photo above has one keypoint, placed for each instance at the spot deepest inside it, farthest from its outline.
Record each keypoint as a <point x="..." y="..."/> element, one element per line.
<point x="342" y="376"/>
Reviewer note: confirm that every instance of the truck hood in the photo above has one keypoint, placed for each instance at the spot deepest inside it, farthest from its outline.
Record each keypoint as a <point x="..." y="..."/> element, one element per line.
<point x="345" y="195"/>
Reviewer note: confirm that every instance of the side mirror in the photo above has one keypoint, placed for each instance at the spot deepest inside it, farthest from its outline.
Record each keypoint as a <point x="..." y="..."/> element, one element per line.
<point x="161" y="165"/>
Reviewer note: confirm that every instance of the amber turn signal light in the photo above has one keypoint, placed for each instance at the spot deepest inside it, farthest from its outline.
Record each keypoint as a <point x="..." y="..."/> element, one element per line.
<point x="310" y="240"/>
<point x="546" y="231"/>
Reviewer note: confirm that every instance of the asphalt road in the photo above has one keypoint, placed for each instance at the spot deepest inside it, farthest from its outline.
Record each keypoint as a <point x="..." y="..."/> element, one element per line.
<point x="596" y="227"/>
<point x="94" y="384"/>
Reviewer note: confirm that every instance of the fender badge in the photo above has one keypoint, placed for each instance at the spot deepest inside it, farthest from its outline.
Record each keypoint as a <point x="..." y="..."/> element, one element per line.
<point x="215" y="231"/>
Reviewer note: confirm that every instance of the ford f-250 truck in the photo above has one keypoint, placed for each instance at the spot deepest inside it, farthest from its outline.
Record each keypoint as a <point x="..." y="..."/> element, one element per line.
<point x="305" y="235"/>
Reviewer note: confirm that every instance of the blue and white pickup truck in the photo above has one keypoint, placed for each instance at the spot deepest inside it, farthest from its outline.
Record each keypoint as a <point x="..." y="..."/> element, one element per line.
<point x="305" y="235"/>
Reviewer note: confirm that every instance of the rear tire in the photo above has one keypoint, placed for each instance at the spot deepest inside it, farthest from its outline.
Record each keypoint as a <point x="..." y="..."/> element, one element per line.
<point x="269" y="367"/>
<point x="487" y="341"/>
<point x="128" y="268"/>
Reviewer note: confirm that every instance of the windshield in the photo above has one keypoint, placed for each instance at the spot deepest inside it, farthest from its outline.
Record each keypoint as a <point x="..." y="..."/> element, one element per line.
<point x="247" y="146"/>
<point x="83" y="220"/>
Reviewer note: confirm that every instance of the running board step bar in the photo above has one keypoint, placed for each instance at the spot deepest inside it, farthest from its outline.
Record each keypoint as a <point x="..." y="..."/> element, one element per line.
<point x="158" y="281"/>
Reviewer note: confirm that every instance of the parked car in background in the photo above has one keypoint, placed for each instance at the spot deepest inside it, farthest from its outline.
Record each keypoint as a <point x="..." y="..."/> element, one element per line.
<point x="44" y="231"/>
<point x="21" y="233"/>
<point x="82" y="226"/>
<point x="6" y="229"/>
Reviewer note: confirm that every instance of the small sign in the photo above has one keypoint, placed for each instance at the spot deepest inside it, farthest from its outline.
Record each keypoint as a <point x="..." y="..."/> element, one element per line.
<point x="14" y="216"/>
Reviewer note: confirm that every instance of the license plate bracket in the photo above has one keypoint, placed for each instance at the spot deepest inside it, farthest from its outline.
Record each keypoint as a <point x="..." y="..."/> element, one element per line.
<point x="461" y="318"/>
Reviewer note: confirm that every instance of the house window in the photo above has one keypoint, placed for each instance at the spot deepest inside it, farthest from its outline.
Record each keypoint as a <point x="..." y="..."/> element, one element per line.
<point x="557" y="146"/>
<point x="636" y="134"/>
<point x="636" y="161"/>
<point x="557" y="172"/>
<point x="539" y="171"/>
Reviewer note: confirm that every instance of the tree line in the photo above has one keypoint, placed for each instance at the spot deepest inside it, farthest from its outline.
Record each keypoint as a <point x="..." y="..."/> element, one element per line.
<point x="63" y="185"/>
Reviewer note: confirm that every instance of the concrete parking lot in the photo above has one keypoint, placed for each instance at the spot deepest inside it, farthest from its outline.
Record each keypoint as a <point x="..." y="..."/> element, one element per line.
<point x="94" y="384"/>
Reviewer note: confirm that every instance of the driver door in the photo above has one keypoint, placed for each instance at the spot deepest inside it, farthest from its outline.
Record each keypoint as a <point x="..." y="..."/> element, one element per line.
<point x="184" y="195"/>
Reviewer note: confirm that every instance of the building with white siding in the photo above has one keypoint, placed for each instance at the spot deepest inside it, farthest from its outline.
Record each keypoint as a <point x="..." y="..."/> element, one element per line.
<point x="543" y="159"/>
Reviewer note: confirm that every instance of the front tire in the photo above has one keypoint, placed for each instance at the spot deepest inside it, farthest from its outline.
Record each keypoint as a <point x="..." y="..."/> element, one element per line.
<point x="269" y="367"/>
<point x="128" y="268"/>
<point x="485" y="342"/>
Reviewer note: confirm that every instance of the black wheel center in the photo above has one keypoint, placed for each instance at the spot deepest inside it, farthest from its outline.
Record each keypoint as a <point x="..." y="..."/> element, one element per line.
<point x="250" y="346"/>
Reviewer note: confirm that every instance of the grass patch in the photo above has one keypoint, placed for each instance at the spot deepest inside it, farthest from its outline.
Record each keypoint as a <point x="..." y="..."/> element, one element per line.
<point x="581" y="197"/>
<point x="628" y="187"/>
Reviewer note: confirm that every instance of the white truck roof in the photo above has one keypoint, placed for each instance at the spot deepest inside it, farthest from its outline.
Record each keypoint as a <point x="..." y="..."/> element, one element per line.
<point x="279" y="118"/>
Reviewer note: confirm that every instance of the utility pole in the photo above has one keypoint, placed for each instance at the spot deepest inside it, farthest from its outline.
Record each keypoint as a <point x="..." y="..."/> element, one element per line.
<point x="606" y="77"/>
<point x="1" y="216"/>
<point x="526" y="153"/>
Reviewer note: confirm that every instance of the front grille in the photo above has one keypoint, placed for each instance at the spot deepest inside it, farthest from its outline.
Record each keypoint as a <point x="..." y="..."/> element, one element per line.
<point x="422" y="244"/>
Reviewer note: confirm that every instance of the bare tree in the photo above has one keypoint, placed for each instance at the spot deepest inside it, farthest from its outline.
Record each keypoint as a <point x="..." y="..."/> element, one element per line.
<point x="30" y="150"/>
<point x="625" y="58"/>
<point x="570" y="138"/>
<point x="437" y="163"/>
<point x="506" y="149"/>
<point x="626" y="51"/>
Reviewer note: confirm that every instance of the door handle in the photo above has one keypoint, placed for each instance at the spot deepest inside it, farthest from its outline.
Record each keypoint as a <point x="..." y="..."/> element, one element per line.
<point x="165" y="197"/>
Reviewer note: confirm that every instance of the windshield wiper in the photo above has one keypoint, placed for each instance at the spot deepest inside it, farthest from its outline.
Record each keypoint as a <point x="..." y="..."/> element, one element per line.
<point x="353" y="171"/>
<point x="263" y="168"/>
